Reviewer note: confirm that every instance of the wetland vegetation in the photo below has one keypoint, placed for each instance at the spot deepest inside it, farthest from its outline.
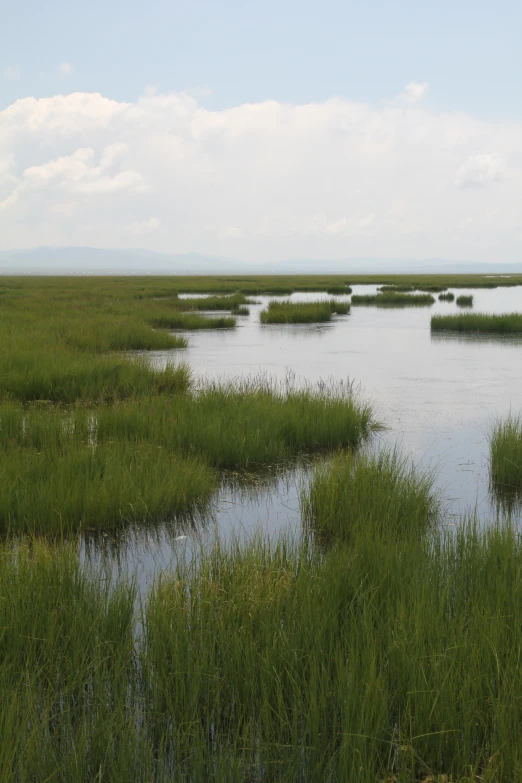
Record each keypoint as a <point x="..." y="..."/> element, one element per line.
<point x="392" y="298"/>
<point x="506" y="453"/>
<point x="447" y="297"/>
<point x="507" y="323"/>
<point x="380" y="644"/>
<point x="464" y="301"/>
<point x="303" y="312"/>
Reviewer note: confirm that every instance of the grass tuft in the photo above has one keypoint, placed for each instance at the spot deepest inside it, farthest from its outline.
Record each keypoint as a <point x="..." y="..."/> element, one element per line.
<point x="383" y="494"/>
<point x="509" y="323"/>
<point x="464" y="301"/>
<point x="393" y="299"/>
<point x="505" y="444"/>
<point x="302" y="312"/>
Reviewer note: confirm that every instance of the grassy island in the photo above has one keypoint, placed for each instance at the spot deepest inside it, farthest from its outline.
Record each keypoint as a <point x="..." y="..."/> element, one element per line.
<point x="302" y="312"/>
<point x="509" y="323"/>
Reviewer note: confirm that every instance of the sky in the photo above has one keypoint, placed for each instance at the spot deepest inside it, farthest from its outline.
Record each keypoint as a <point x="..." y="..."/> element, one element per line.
<point x="264" y="130"/>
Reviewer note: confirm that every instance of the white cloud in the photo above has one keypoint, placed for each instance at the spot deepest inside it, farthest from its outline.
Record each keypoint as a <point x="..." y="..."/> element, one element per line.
<point x="138" y="228"/>
<point x="65" y="69"/>
<point x="112" y="154"/>
<point x="76" y="174"/>
<point x="260" y="181"/>
<point x="12" y="73"/>
<point x="414" y="92"/>
<point x="480" y="170"/>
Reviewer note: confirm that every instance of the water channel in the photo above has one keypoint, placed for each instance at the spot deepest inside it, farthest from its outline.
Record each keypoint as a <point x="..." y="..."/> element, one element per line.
<point x="438" y="396"/>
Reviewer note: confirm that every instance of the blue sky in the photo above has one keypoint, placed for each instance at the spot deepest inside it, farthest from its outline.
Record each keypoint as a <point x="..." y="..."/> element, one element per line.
<point x="289" y="51"/>
<point x="264" y="130"/>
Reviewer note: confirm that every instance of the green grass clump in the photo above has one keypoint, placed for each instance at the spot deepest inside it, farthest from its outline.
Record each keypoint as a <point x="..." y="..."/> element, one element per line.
<point x="244" y="426"/>
<point x="62" y="378"/>
<point x="505" y="444"/>
<point x="393" y="299"/>
<point x="148" y="459"/>
<point x="431" y="288"/>
<point x="464" y="301"/>
<point x="371" y="663"/>
<point x="364" y="299"/>
<point x="449" y="297"/>
<point x="404" y="287"/>
<point x="192" y="321"/>
<point x="508" y="323"/>
<point x="67" y="659"/>
<point x="98" y="487"/>
<point x="209" y="303"/>
<point x="383" y="494"/>
<point x="338" y="289"/>
<point x="302" y="312"/>
<point x="394" y="655"/>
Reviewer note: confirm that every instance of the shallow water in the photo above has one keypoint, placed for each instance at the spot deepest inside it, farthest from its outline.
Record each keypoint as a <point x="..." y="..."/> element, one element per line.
<point x="438" y="395"/>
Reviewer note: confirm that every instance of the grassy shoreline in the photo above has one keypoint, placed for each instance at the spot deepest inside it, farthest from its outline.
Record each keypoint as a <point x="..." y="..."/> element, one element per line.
<point x="149" y="459"/>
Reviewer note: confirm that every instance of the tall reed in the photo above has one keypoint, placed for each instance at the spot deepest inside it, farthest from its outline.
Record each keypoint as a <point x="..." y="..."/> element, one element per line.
<point x="505" y="443"/>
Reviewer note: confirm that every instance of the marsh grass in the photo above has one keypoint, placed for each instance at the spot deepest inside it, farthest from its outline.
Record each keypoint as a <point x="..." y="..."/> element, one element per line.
<point x="431" y="288"/>
<point x="508" y="323"/>
<point x="372" y="662"/>
<point x="404" y="287"/>
<point x="381" y="493"/>
<point x="66" y="676"/>
<point x="338" y="289"/>
<point x="464" y="301"/>
<point x="288" y="312"/>
<point x="212" y="303"/>
<point x="60" y="377"/>
<point x="393" y="299"/>
<point x="106" y="486"/>
<point x="449" y="297"/>
<point x="394" y="655"/>
<point x="149" y="459"/>
<point x="191" y="321"/>
<point x="505" y="443"/>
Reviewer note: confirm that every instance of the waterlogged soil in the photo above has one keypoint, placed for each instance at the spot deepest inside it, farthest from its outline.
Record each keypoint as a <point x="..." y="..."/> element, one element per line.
<point x="437" y="394"/>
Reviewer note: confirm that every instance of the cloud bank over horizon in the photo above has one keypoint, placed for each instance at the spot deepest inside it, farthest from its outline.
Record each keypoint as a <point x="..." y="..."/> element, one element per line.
<point x="261" y="181"/>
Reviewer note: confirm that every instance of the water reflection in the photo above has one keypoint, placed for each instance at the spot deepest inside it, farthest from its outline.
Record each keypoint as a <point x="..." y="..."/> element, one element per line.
<point x="473" y="338"/>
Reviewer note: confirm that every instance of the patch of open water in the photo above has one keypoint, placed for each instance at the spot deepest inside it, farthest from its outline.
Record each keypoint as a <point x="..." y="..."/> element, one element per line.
<point x="437" y="394"/>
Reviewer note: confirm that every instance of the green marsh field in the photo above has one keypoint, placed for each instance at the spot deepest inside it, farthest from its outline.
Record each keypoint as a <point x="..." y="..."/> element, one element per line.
<point x="363" y="624"/>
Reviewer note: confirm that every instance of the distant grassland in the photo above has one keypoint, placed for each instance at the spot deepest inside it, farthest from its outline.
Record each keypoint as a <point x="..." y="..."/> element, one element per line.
<point x="302" y="312"/>
<point x="508" y="323"/>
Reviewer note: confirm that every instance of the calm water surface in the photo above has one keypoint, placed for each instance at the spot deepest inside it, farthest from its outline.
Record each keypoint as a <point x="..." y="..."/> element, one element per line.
<point x="438" y="396"/>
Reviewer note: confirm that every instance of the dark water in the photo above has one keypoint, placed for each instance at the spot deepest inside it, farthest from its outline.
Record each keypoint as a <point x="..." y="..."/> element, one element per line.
<point x="438" y="395"/>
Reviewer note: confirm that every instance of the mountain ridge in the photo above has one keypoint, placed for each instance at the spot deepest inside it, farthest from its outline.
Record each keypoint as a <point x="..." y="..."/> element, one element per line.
<point x="106" y="261"/>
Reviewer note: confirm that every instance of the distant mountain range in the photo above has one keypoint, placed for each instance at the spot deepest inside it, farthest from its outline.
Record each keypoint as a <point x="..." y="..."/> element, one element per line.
<point x="89" y="260"/>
